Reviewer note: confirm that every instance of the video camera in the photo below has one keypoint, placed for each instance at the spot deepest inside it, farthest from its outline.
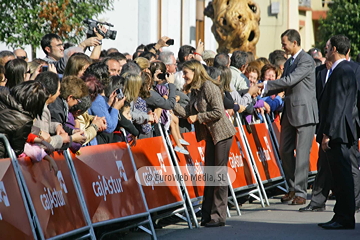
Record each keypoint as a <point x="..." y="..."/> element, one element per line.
<point x="110" y="34"/>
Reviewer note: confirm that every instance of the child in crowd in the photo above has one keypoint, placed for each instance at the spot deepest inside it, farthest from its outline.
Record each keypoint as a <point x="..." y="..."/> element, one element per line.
<point x="260" y="106"/>
<point x="37" y="149"/>
<point x="171" y="121"/>
<point x="126" y="113"/>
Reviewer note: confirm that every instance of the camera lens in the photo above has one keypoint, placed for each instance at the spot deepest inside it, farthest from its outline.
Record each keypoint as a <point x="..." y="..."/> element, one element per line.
<point x="111" y="34"/>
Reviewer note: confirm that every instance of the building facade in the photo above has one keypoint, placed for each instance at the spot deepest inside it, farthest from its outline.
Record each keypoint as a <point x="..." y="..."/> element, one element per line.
<point x="145" y="21"/>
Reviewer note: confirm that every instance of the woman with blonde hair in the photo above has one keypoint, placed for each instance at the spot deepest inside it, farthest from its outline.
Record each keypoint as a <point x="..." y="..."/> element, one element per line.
<point x="206" y="111"/>
<point x="132" y="86"/>
<point x="143" y="63"/>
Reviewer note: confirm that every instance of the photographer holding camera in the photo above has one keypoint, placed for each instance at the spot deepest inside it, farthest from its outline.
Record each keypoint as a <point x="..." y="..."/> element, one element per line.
<point x="53" y="46"/>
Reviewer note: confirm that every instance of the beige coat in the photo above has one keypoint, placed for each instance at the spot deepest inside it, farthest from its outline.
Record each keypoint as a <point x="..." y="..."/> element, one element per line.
<point x="45" y="124"/>
<point x="212" y="121"/>
<point x="85" y="120"/>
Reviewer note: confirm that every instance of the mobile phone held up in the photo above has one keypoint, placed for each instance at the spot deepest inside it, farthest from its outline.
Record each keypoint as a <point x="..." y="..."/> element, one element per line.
<point x="44" y="68"/>
<point x="162" y="75"/>
<point x="170" y="42"/>
<point x="119" y="93"/>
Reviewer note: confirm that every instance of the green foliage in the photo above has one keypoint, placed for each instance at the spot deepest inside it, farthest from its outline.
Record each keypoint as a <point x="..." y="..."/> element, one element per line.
<point x="342" y="18"/>
<point x="24" y="22"/>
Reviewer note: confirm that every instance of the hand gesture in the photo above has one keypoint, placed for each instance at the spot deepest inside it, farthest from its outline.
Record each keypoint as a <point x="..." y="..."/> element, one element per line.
<point x="267" y="107"/>
<point x="200" y="47"/>
<point x="157" y="72"/>
<point x="170" y="77"/>
<point x="193" y="118"/>
<point x="119" y="103"/>
<point x="79" y="137"/>
<point x="325" y="143"/>
<point x="91" y="42"/>
<point x="162" y="42"/>
<point x="52" y="68"/>
<point x="100" y="123"/>
<point x="133" y="140"/>
<point x="253" y="90"/>
<point x="59" y="129"/>
<point x="281" y="94"/>
<point x="52" y="164"/>
<point x="98" y="35"/>
<point x="260" y="85"/>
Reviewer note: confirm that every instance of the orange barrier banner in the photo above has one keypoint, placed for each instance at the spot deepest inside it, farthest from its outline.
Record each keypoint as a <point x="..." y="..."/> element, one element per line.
<point x="277" y="127"/>
<point x="314" y="151"/>
<point x="240" y="163"/>
<point x="14" y="222"/>
<point x="151" y="154"/>
<point x="107" y="180"/>
<point x="263" y="151"/>
<point x="194" y="159"/>
<point x="314" y="155"/>
<point x="54" y="196"/>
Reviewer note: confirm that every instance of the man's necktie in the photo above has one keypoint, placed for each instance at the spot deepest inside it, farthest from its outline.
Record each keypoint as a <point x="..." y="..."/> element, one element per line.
<point x="330" y="72"/>
<point x="328" y="76"/>
<point x="291" y="61"/>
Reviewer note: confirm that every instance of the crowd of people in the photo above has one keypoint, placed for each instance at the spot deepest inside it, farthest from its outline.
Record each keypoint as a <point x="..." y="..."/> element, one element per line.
<point x="72" y="99"/>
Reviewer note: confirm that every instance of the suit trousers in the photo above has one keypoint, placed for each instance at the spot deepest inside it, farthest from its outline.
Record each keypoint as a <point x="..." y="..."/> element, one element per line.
<point x="324" y="180"/>
<point x="340" y="166"/>
<point x="214" y="204"/>
<point x="296" y="168"/>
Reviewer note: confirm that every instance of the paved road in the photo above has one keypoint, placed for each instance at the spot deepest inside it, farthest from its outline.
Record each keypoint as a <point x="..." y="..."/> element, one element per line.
<point x="277" y="221"/>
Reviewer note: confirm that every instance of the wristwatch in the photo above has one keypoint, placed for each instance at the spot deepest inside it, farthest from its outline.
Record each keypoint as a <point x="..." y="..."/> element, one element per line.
<point x="96" y="127"/>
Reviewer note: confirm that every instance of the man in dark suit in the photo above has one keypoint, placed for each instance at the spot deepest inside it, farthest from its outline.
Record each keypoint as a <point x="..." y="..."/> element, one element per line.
<point x="299" y="116"/>
<point x="337" y="131"/>
<point x="321" y="73"/>
<point x="323" y="181"/>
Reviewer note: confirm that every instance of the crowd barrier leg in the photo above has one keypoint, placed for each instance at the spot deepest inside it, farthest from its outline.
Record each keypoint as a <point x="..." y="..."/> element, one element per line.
<point x="277" y="155"/>
<point x="27" y="196"/>
<point x="234" y="199"/>
<point x="79" y="192"/>
<point x="29" y="211"/>
<point x="167" y="143"/>
<point x="254" y="167"/>
<point x="152" y="229"/>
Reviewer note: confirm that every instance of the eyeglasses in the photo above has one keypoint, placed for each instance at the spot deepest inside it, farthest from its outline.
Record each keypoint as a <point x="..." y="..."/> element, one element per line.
<point x="78" y="100"/>
<point x="22" y="57"/>
<point x="58" y="45"/>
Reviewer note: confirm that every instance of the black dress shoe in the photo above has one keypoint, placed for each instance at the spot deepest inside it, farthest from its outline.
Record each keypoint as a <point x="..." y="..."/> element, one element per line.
<point x="336" y="225"/>
<point x="322" y="224"/>
<point x="213" y="223"/>
<point x="310" y="208"/>
<point x="203" y="222"/>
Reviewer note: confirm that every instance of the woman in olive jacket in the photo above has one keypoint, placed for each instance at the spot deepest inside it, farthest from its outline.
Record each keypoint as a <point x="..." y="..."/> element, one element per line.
<point x="19" y="106"/>
<point x="206" y="111"/>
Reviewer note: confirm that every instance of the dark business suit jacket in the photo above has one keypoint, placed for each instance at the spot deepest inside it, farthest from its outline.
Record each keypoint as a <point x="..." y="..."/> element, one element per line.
<point x="320" y="73"/>
<point x="356" y="114"/>
<point x="336" y="104"/>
